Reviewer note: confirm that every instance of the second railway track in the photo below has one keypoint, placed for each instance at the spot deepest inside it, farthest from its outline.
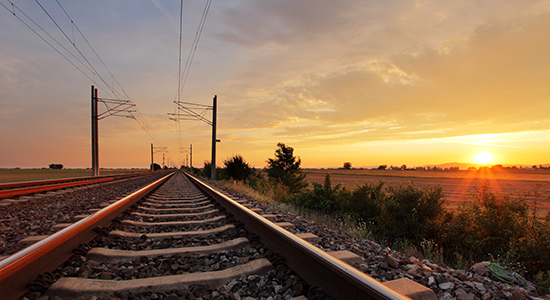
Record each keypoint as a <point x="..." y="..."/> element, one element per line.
<point x="183" y="240"/>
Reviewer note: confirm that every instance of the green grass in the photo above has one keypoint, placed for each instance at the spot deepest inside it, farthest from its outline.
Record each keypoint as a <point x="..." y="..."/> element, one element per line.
<point x="20" y="175"/>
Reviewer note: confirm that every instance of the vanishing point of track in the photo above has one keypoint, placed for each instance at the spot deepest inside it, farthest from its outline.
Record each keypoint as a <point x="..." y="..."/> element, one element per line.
<point x="179" y="238"/>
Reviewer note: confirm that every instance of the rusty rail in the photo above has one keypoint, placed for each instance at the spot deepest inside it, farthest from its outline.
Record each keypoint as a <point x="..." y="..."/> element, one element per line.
<point x="317" y="267"/>
<point x="20" y="269"/>
<point x="31" y="187"/>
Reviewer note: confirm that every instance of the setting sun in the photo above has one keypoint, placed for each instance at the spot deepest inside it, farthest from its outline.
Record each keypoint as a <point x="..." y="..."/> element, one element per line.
<point x="483" y="157"/>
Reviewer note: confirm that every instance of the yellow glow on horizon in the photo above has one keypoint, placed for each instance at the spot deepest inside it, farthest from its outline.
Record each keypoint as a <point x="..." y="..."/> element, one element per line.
<point x="483" y="157"/>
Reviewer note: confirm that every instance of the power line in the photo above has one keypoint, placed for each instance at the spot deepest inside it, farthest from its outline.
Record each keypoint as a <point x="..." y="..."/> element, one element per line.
<point x="179" y="59"/>
<point x="181" y="110"/>
<point x="93" y="50"/>
<point x="41" y="37"/>
<point x="191" y="55"/>
<point x="78" y="50"/>
<point x="140" y="119"/>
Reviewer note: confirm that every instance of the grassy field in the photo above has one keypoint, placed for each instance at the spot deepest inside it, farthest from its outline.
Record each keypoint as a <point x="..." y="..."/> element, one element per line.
<point x="458" y="186"/>
<point x="20" y="175"/>
<point x="504" y="174"/>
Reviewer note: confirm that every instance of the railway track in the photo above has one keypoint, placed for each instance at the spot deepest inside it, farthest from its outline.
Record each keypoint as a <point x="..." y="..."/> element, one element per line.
<point x="178" y="238"/>
<point x="18" y="189"/>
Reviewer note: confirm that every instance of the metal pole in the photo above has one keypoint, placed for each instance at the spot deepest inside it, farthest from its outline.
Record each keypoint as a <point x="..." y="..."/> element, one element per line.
<point x="96" y="134"/>
<point x="95" y="142"/>
<point x="152" y="169"/>
<point x="191" y="156"/>
<point x="213" y="161"/>
<point x="93" y="132"/>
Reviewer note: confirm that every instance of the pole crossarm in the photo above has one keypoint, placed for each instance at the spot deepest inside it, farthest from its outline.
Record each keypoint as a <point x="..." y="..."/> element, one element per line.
<point x="117" y="108"/>
<point x="191" y="111"/>
<point x="160" y="149"/>
<point x="194" y="111"/>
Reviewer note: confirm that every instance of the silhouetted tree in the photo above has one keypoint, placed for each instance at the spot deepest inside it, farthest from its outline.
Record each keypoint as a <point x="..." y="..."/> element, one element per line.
<point x="237" y="168"/>
<point x="285" y="168"/>
<point x="347" y="165"/>
<point x="206" y="171"/>
<point x="56" y="166"/>
<point x="156" y="167"/>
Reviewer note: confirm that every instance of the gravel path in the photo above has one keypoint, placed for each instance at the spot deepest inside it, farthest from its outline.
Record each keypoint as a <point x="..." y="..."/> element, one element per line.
<point x="37" y="215"/>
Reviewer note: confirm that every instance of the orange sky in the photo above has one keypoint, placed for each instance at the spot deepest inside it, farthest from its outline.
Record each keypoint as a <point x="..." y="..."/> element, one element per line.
<point x="369" y="82"/>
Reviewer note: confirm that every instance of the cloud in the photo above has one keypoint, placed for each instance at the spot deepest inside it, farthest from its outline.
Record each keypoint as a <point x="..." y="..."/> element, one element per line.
<point x="317" y="73"/>
<point x="491" y="78"/>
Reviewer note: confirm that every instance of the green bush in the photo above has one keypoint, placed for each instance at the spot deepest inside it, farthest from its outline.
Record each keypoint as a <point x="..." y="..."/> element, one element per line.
<point x="487" y="227"/>
<point x="411" y="213"/>
<point x="323" y="198"/>
<point x="492" y="226"/>
<point x="533" y="248"/>
<point x="364" y="203"/>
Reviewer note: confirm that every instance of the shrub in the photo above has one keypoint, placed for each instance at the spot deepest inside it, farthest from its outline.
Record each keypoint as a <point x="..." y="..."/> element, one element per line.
<point x="237" y="168"/>
<point x="488" y="227"/>
<point x="323" y="198"/>
<point x="285" y="169"/>
<point x="365" y="203"/>
<point x="533" y="248"/>
<point x="411" y="213"/>
<point x="206" y="171"/>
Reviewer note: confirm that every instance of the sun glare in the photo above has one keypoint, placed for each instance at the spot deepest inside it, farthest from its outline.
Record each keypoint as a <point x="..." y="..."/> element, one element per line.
<point x="483" y="157"/>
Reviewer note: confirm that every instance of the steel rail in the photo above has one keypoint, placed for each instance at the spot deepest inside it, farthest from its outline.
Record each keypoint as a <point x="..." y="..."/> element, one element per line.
<point x="20" y="269"/>
<point x="31" y="187"/>
<point x="315" y="266"/>
<point x="20" y="184"/>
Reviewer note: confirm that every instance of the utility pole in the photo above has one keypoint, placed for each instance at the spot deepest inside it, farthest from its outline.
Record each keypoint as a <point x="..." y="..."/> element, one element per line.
<point x="188" y="111"/>
<point x="188" y="152"/>
<point x="213" y="161"/>
<point x="191" y="156"/>
<point x="95" y="141"/>
<point x="157" y="150"/>
<point x="114" y="107"/>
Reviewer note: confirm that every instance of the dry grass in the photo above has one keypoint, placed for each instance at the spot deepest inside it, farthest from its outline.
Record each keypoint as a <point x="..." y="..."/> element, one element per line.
<point x="359" y="230"/>
<point x="521" y="175"/>
<point x="459" y="187"/>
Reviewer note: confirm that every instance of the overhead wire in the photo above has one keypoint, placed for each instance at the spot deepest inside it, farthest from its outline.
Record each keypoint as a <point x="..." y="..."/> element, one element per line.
<point x="140" y="119"/>
<point x="48" y="43"/>
<point x="178" y="127"/>
<point x="183" y="74"/>
<point x="194" y="45"/>
<point x="78" y="50"/>
<point x="92" y="48"/>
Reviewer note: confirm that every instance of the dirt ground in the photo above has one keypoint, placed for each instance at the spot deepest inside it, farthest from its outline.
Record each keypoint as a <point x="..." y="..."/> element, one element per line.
<point x="458" y="186"/>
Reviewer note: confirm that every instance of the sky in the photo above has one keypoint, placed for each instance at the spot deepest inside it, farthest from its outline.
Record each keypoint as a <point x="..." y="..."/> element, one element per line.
<point x="368" y="82"/>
